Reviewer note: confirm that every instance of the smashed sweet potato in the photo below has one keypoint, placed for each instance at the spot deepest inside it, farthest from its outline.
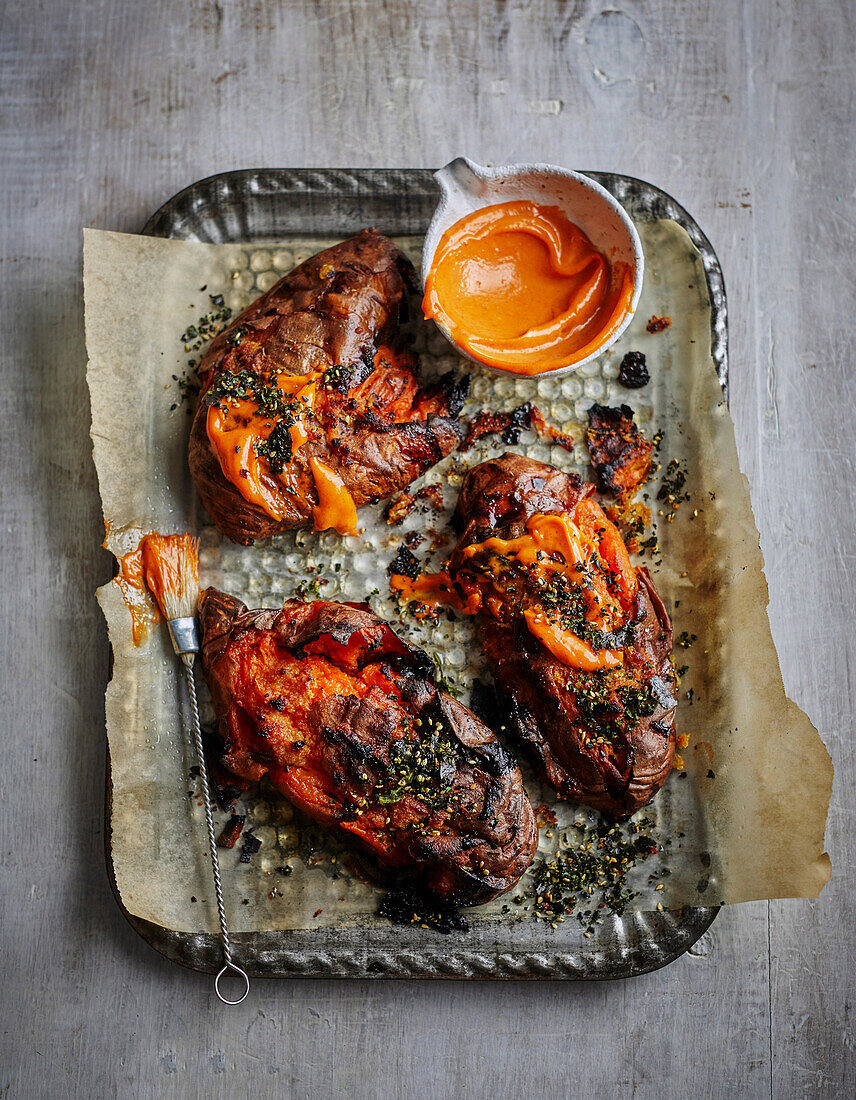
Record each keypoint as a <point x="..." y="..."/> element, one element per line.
<point x="579" y="644"/>
<point x="347" y="723"/>
<point x="311" y="382"/>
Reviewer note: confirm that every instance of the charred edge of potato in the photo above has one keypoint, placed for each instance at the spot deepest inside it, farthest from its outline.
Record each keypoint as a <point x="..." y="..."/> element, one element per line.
<point x="620" y="454"/>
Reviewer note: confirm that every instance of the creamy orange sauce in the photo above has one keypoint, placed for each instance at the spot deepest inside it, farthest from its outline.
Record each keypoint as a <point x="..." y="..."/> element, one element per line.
<point x="567" y="647"/>
<point x="335" y="507"/>
<point x="435" y="590"/>
<point x="552" y="544"/>
<point x="234" y="430"/>
<point x="144" y="613"/>
<point x="519" y="286"/>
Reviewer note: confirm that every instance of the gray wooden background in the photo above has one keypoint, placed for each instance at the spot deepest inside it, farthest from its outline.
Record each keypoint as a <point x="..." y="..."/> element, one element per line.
<point x="745" y="112"/>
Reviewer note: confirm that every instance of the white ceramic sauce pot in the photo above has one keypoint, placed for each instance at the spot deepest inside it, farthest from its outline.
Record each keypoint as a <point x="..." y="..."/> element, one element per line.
<point x="466" y="187"/>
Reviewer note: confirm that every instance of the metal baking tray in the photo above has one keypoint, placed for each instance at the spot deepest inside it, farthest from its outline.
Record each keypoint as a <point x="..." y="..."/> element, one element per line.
<point x="265" y="204"/>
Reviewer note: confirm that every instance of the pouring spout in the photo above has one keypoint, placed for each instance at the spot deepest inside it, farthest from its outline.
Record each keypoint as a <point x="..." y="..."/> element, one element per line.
<point x="462" y="176"/>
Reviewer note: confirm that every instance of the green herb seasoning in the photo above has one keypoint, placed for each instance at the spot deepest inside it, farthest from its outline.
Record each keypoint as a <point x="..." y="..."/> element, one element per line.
<point x="673" y="485"/>
<point x="423" y="767"/>
<point x="277" y="448"/>
<point x="208" y="326"/>
<point x="194" y="338"/>
<point x="246" y="385"/>
<point x="311" y="589"/>
<point x="281" y="411"/>
<point x="593" y="872"/>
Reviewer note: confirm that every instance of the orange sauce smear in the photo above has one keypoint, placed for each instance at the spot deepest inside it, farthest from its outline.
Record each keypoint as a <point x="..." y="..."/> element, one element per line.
<point x="143" y="610"/>
<point x="553" y="543"/>
<point x="335" y="507"/>
<point x="236" y="429"/>
<point x="519" y="286"/>
<point x="159" y="562"/>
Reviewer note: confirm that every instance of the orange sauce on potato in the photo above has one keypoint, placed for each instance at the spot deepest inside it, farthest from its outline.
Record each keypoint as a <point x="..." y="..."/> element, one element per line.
<point x="335" y="507"/>
<point x="236" y="426"/>
<point x="519" y="286"/>
<point x="553" y="544"/>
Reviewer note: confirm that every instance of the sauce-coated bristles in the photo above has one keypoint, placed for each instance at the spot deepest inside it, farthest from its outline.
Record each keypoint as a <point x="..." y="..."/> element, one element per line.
<point x="171" y="571"/>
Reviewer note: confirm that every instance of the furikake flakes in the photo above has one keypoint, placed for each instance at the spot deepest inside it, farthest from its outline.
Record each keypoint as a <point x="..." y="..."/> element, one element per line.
<point x="246" y="385"/>
<point x="638" y="703"/>
<point x="423" y="767"/>
<point x="589" y="880"/>
<point x="273" y="405"/>
<point x="277" y="448"/>
<point x="208" y="326"/>
<point x="194" y="338"/>
<point x="606" y="705"/>
<point x="672" y="489"/>
<point x="563" y="601"/>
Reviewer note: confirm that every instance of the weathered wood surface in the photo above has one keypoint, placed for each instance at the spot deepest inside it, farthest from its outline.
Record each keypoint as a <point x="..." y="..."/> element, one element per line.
<point x="745" y="112"/>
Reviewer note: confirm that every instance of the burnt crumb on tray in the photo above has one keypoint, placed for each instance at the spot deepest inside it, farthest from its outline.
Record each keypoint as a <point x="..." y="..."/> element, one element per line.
<point x="620" y="454"/>
<point x="658" y="324"/>
<point x="250" y="846"/>
<point x="410" y="905"/>
<point x="633" y="372"/>
<point x="226" y="787"/>
<point x="509" y="425"/>
<point x="231" y="831"/>
<point x="433" y="494"/>
<point x="404" y="564"/>
<point x="506" y="424"/>
<point x="401" y="506"/>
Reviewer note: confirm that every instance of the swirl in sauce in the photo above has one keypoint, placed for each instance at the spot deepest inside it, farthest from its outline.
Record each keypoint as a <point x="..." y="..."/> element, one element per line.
<point x="519" y="286"/>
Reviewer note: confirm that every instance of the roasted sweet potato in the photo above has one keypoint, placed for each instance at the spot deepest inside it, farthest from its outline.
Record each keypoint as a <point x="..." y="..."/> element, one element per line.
<point x="578" y="641"/>
<point x="620" y="454"/>
<point x="312" y="372"/>
<point x="346" y="721"/>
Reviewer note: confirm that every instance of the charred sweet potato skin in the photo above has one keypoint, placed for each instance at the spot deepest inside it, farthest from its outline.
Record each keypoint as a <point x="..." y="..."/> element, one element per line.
<point x="620" y="454"/>
<point x="317" y="695"/>
<point x="330" y="314"/>
<point x="541" y="693"/>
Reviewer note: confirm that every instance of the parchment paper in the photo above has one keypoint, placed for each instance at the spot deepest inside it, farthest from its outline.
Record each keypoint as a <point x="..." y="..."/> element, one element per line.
<point x="745" y="816"/>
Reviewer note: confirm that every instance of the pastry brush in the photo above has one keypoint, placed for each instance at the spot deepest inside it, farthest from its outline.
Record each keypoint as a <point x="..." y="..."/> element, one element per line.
<point x="171" y="571"/>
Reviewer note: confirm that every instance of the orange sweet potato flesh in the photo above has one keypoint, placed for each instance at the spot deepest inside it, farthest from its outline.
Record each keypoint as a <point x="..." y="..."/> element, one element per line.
<point x="546" y="700"/>
<point x="319" y="697"/>
<point x="374" y="425"/>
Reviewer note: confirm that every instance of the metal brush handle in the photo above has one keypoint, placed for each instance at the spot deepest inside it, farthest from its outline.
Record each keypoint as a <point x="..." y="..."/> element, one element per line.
<point x="185" y="640"/>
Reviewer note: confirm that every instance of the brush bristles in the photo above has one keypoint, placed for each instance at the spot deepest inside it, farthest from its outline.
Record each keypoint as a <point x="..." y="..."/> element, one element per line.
<point x="171" y="569"/>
